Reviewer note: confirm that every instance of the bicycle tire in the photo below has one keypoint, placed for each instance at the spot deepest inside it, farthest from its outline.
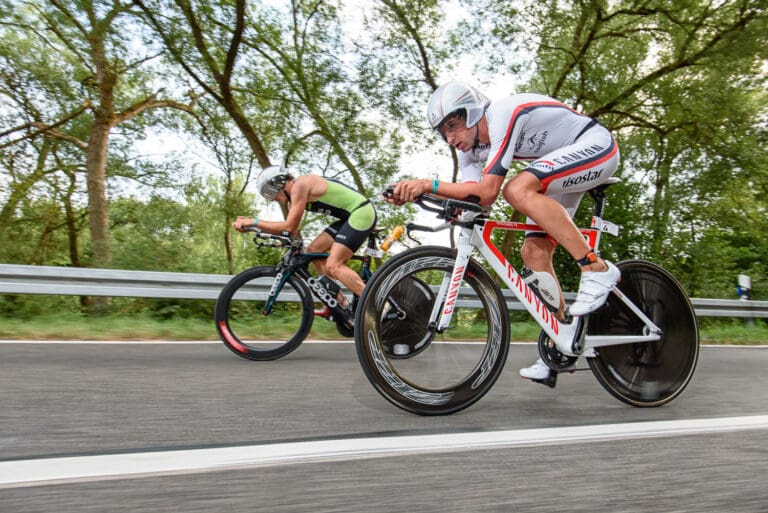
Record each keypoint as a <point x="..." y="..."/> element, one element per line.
<point x="646" y="374"/>
<point x="446" y="377"/>
<point x="247" y="331"/>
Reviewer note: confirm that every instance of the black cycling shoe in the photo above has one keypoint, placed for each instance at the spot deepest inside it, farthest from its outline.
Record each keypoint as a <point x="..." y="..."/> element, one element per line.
<point x="349" y="316"/>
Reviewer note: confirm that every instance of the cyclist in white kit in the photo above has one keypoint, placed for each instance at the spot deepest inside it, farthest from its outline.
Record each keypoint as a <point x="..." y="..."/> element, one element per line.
<point x="569" y="153"/>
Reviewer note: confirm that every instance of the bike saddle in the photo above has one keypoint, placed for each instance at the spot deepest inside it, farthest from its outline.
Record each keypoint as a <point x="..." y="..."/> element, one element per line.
<point x="603" y="186"/>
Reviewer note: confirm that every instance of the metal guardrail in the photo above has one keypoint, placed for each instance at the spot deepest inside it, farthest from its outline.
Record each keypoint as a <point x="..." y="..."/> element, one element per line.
<point x="77" y="281"/>
<point x="32" y="279"/>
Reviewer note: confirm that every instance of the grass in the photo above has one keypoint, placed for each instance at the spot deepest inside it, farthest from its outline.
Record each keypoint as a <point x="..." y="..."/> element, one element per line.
<point x="144" y="327"/>
<point x="81" y="327"/>
<point x="735" y="332"/>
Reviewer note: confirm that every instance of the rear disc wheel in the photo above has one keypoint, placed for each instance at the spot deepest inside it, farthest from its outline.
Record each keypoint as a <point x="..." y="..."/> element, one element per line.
<point x="650" y="373"/>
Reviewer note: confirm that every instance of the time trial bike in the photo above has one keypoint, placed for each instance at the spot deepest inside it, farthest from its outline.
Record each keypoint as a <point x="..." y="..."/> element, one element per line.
<point x="642" y="345"/>
<point x="266" y="312"/>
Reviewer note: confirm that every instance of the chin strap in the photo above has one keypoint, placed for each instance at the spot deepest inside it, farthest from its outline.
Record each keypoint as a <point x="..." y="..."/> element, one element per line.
<point x="477" y="138"/>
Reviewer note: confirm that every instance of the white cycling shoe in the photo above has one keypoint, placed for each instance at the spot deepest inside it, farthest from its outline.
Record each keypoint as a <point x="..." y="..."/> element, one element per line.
<point x="538" y="371"/>
<point x="594" y="289"/>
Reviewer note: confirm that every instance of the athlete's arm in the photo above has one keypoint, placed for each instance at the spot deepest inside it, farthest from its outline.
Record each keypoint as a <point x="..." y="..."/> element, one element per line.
<point x="486" y="190"/>
<point x="299" y="199"/>
<point x="300" y="192"/>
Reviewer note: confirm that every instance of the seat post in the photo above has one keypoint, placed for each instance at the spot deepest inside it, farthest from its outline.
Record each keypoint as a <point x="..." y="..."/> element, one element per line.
<point x="598" y="195"/>
<point x="372" y="239"/>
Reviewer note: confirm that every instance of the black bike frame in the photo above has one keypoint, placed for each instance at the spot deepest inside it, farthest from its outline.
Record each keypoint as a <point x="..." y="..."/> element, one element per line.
<point x="295" y="261"/>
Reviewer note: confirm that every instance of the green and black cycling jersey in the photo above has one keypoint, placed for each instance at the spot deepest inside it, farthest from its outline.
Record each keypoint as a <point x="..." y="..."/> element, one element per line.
<point x="356" y="215"/>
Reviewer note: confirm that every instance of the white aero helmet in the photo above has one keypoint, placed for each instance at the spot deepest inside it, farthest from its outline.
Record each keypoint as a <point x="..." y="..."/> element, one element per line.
<point x="454" y="96"/>
<point x="272" y="180"/>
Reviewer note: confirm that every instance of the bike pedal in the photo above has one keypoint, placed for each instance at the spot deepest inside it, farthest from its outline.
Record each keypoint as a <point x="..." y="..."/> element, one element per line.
<point x="550" y="381"/>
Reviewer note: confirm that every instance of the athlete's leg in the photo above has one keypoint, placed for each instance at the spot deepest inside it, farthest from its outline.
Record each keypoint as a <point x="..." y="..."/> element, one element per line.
<point x="549" y="192"/>
<point x="573" y="169"/>
<point x="337" y="268"/>
<point x="598" y="277"/>
<point x="523" y="192"/>
<point x="350" y="236"/>
<point x="537" y="253"/>
<point x="321" y="244"/>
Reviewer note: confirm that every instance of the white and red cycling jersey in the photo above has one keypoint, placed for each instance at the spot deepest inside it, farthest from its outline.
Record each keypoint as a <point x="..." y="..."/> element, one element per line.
<point x="570" y="153"/>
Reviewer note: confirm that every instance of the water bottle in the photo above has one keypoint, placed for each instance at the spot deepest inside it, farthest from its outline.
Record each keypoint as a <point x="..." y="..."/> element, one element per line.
<point x="394" y="235"/>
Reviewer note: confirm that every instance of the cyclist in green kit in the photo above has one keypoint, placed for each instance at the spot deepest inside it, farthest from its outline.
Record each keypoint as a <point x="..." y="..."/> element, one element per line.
<point x="356" y="219"/>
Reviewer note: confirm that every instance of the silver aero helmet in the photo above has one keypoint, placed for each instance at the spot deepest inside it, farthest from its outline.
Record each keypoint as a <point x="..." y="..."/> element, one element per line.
<point x="271" y="181"/>
<point x="454" y="96"/>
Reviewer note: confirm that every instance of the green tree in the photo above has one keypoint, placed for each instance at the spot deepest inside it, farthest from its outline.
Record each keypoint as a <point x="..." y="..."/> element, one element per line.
<point x="682" y="85"/>
<point x="81" y="82"/>
<point x="409" y="49"/>
<point x="277" y="72"/>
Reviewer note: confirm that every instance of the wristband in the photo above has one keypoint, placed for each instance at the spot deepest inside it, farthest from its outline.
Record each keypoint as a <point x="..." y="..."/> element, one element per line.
<point x="435" y="185"/>
<point x="589" y="258"/>
<point x="255" y="221"/>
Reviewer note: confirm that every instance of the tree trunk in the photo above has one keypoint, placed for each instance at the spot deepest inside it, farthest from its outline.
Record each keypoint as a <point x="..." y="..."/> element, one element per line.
<point x="105" y="80"/>
<point x="70" y="218"/>
<point x="97" y="197"/>
<point x="101" y="241"/>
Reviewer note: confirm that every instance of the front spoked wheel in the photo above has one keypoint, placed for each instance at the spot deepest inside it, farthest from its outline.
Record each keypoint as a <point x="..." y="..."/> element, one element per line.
<point x="650" y="373"/>
<point x="257" y="329"/>
<point x="407" y="362"/>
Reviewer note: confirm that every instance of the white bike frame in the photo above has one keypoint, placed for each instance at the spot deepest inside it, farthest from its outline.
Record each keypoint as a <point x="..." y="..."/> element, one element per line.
<point x="565" y="335"/>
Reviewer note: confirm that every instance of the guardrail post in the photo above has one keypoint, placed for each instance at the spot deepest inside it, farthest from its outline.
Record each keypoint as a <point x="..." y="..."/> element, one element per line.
<point x="744" y="289"/>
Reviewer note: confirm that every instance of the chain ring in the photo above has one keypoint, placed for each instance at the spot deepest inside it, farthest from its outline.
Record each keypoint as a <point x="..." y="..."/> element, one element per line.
<point x="553" y="358"/>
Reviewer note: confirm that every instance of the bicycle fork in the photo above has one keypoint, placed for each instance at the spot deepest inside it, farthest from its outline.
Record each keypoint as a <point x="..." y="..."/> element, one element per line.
<point x="448" y="294"/>
<point x="277" y="285"/>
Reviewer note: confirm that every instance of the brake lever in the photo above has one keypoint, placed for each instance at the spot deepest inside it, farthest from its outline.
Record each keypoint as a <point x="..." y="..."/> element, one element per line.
<point x="409" y="228"/>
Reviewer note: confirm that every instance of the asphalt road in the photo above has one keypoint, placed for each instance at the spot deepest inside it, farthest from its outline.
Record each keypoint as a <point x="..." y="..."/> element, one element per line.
<point x="64" y="405"/>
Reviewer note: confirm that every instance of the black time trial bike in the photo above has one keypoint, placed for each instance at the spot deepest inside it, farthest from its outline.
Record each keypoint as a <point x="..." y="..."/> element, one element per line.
<point x="642" y="345"/>
<point x="266" y="312"/>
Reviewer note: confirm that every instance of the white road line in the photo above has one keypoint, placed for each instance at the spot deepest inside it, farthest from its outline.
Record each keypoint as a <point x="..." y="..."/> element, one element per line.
<point x="309" y="341"/>
<point x="36" y="472"/>
<point x="104" y="342"/>
<point x="204" y="342"/>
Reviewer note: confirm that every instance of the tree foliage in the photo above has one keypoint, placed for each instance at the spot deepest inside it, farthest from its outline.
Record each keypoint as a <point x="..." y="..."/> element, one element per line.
<point x="81" y="83"/>
<point x="340" y="90"/>
<point x="683" y="87"/>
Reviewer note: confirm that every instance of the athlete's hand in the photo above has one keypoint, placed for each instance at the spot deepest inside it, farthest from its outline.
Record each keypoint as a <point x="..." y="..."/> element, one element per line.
<point x="409" y="190"/>
<point x="241" y="222"/>
<point x="389" y="196"/>
<point x="392" y="200"/>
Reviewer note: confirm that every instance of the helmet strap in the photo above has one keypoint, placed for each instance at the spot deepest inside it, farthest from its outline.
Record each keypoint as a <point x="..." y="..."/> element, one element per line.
<point x="477" y="137"/>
